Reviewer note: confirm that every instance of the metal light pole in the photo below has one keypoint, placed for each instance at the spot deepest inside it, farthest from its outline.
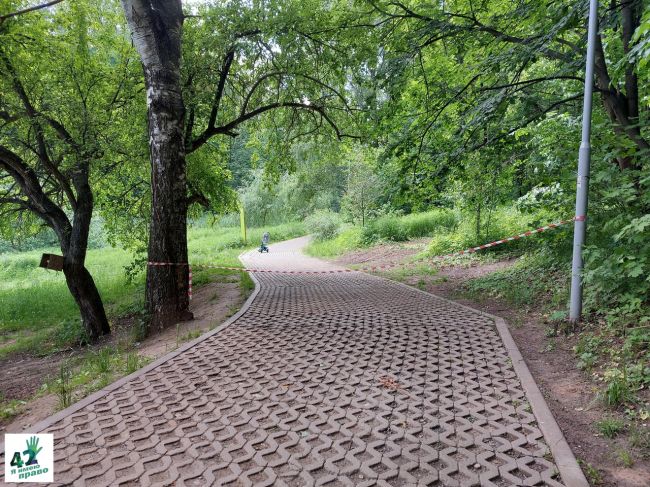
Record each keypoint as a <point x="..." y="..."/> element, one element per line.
<point x="583" y="169"/>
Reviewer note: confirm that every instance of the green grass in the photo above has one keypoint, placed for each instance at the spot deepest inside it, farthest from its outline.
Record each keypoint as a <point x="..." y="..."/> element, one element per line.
<point x="347" y="240"/>
<point x="610" y="427"/>
<point x="401" y="228"/>
<point x="38" y="314"/>
<point x="35" y="303"/>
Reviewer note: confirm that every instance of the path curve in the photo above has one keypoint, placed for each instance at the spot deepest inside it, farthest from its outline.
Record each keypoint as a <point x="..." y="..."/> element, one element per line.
<point x="331" y="379"/>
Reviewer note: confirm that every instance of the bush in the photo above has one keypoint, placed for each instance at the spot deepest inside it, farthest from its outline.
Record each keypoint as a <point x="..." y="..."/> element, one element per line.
<point x="323" y="224"/>
<point x="503" y="222"/>
<point x="400" y="228"/>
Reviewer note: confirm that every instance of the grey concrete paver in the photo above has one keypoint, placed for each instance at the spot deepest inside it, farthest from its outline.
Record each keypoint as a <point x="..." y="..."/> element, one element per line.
<point x="325" y="379"/>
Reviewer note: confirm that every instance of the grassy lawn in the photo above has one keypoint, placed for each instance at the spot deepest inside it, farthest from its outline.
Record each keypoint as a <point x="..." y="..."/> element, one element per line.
<point x="38" y="314"/>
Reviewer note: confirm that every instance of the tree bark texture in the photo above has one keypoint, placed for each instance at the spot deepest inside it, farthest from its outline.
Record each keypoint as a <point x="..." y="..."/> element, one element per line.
<point x="156" y="27"/>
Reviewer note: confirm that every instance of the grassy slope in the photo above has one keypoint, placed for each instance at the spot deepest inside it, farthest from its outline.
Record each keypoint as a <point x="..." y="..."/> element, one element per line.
<point x="35" y="303"/>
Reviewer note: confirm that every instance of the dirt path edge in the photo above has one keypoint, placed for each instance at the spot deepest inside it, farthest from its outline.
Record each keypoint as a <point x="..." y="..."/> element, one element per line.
<point x="565" y="460"/>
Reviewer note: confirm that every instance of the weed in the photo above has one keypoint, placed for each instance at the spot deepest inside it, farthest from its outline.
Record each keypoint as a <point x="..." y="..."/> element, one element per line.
<point x="422" y="284"/>
<point x="593" y="474"/>
<point x="624" y="457"/>
<point x="610" y="427"/>
<point x="138" y="331"/>
<point x="550" y="346"/>
<point x="11" y="408"/>
<point x="617" y="392"/>
<point x="246" y="282"/>
<point x="191" y="335"/>
<point x="70" y="333"/>
<point x="587" y="360"/>
<point x="640" y="438"/>
<point x="132" y="362"/>
<point x="101" y="360"/>
<point x="64" y="388"/>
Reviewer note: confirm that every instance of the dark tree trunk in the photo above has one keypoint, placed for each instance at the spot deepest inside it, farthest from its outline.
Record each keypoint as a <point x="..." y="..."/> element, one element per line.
<point x="156" y="26"/>
<point x="74" y="247"/>
<point x="622" y="106"/>
<point x="85" y="293"/>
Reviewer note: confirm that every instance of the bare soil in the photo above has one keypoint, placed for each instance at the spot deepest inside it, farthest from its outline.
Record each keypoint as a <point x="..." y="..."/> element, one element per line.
<point x="22" y="375"/>
<point x="569" y="392"/>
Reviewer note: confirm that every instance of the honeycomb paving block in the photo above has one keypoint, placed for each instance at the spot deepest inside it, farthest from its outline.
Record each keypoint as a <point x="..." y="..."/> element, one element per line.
<point x="326" y="379"/>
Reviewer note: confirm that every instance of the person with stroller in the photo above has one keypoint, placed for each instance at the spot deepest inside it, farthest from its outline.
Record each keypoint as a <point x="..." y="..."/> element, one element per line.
<point x="265" y="242"/>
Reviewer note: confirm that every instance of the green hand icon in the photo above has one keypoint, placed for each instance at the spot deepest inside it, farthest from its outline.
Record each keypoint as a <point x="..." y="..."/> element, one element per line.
<point x="32" y="450"/>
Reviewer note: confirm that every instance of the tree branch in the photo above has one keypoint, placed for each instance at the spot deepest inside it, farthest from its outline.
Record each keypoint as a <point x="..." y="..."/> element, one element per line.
<point x="26" y="10"/>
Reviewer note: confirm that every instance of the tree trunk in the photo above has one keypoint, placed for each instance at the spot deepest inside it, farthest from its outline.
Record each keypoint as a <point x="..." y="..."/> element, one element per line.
<point x="622" y="108"/>
<point x="156" y="26"/>
<point x="74" y="247"/>
<point x="85" y="293"/>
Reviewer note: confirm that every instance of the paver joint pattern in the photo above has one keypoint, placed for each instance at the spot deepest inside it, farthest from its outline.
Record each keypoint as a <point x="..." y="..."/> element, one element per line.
<point x="339" y="380"/>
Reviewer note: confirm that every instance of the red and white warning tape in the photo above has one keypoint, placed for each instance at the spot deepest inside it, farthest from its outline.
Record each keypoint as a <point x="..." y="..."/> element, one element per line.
<point x="550" y="226"/>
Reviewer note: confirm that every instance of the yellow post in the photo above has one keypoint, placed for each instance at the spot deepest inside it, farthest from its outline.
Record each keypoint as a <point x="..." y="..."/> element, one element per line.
<point x="242" y="222"/>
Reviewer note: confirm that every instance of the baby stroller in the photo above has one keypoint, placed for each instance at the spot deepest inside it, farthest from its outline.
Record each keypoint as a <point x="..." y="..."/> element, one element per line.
<point x="265" y="243"/>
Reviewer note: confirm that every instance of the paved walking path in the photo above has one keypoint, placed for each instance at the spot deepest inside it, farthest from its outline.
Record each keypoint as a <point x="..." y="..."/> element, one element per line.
<point x="332" y="379"/>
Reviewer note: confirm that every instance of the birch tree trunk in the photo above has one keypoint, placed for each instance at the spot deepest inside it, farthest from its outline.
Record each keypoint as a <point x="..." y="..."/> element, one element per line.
<point x="156" y="27"/>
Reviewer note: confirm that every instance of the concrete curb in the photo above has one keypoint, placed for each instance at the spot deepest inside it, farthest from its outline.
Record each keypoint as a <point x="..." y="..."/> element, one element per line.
<point x="49" y="421"/>
<point x="570" y="471"/>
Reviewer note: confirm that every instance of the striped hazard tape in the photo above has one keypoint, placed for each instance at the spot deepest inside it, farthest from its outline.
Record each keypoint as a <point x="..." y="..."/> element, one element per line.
<point x="471" y="250"/>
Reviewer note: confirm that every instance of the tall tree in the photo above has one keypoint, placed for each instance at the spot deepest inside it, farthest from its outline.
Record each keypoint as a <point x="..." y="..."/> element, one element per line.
<point x="62" y="100"/>
<point x="156" y="28"/>
<point x="240" y="62"/>
<point x="507" y="65"/>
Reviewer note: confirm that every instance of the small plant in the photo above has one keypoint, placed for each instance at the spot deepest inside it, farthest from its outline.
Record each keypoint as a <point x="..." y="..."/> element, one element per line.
<point x="138" y="331"/>
<point x="550" y="346"/>
<point x="9" y="409"/>
<point x="587" y="360"/>
<point x="593" y="474"/>
<point x="640" y="438"/>
<point x="70" y="333"/>
<point x="191" y="335"/>
<point x="132" y="362"/>
<point x="64" y="388"/>
<point x="617" y="392"/>
<point x="610" y="427"/>
<point x="102" y="360"/>
<point x="624" y="458"/>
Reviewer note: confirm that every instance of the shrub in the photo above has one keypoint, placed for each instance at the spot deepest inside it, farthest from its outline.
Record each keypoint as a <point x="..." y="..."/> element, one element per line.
<point x="323" y="224"/>
<point x="400" y="228"/>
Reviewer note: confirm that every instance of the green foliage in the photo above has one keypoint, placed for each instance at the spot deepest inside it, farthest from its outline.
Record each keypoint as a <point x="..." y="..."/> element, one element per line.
<point x="70" y="333"/>
<point x="401" y="228"/>
<point x="617" y="391"/>
<point x="503" y="222"/>
<point x="10" y="408"/>
<point x="101" y="360"/>
<point x="323" y="224"/>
